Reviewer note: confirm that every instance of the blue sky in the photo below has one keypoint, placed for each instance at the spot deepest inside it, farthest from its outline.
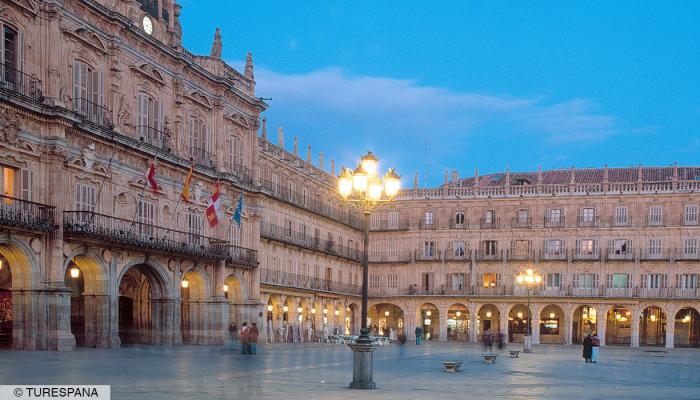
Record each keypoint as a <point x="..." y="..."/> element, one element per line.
<point x="484" y="83"/>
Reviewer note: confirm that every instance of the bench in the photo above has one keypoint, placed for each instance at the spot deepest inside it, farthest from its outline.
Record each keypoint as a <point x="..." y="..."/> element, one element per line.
<point x="514" y="353"/>
<point x="452" y="366"/>
<point x="490" y="358"/>
<point x="656" y="353"/>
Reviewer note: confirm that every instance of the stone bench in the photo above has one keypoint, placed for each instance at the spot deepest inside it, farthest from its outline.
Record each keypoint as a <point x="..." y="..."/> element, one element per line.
<point x="656" y="353"/>
<point x="452" y="366"/>
<point x="490" y="358"/>
<point x="514" y="353"/>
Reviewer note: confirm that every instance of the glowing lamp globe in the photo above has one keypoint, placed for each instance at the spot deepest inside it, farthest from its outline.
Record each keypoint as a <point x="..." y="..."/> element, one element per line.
<point x="369" y="163"/>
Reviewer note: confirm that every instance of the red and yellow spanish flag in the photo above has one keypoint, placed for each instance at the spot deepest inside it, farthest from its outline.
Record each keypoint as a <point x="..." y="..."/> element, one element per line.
<point x="213" y="207"/>
<point x="186" y="186"/>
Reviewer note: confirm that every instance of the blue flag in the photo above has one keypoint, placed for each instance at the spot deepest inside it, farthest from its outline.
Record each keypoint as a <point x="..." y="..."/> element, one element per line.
<point x="239" y="210"/>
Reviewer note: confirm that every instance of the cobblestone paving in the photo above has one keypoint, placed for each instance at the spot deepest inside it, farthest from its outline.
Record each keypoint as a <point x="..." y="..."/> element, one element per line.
<point x="324" y="371"/>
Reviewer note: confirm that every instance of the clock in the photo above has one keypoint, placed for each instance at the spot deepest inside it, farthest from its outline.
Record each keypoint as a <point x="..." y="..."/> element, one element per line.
<point x="147" y="25"/>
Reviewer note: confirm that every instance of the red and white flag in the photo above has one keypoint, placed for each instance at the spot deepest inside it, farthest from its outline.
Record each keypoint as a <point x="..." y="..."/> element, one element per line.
<point x="151" y="177"/>
<point x="213" y="208"/>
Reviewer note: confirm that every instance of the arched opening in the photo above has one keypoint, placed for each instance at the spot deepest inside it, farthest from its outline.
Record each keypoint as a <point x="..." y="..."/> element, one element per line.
<point x="6" y="315"/>
<point x="89" y="304"/>
<point x="75" y="281"/>
<point x="618" y="329"/>
<point x="141" y="314"/>
<point x="552" y="325"/>
<point x="234" y="297"/>
<point x="286" y="331"/>
<point x="652" y="327"/>
<point x="458" y="323"/>
<point x="585" y="323"/>
<point x="487" y="320"/>
<point x="687" y="329"/>
<point x="517" y="323"/>
<point x="385" y="318"/>
<point x="350" y="320"/>
<point x="429" y="319"/>
<point x="193" y="311"/>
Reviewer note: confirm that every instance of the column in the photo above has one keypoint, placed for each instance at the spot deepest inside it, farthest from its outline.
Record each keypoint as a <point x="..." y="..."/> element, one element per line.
<point x="670" y="330"/>
<point x="568" y="329"/>
<point x="602" y="322"/>
<point x="218" y="315"/>
<point x="634" y="339"/>
<point x="177" y="315"/>
<point x="443" y="324"/>
<point x="114" y="340"/>
<point x="535" y="326"/>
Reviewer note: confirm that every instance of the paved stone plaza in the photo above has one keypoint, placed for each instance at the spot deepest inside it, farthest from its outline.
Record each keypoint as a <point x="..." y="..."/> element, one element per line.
<point x="323" y="372"/>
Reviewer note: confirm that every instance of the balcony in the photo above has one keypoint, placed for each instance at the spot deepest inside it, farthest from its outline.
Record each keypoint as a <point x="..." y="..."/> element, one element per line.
<point x="650" y="254"/>
<point x="618" y="292"/>
<point x="26" y="215"/>
<point x="154" y="137"/>
<point x="521" y="254"/>
<point x="690" y="293"/>
<point x="553" y="254"/>
<point x="427" y="225"/>
<point x="585" y="291"/>
<point x="489" y="255"/>
<point x="654" y="292"/>
<point x="93" y="113"/>
<point x="521" y="223"/>
<point x="618" y="254"/>
<point x="240" y="256"/>
<point x="20" y="83"/>
<point x="285" y="279"/>
<point x="687" y="254"/>
<point x="202" y="157"/>
<point x="389" y="225"/>
<point x="463" y="255"/>
<point x="554" y="222"/>
<point x="621" y="222"/>
<point x="582" y="255"/>
<point x="431" y="256"/>
<point x="489" y="223"/>
<point x="398" y="257"/>
<point x="587" y="222"/>
<point x="489" y="291"/>
<point x="463" y="225"/>
<point x="655" y="220"/>
<point x="89" y="226"/>
<point x="240" y="172"/>
<point x="284" y="235"/>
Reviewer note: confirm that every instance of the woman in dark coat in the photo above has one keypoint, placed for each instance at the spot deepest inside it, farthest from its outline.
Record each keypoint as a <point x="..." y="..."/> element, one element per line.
<point x="588" y="348"/>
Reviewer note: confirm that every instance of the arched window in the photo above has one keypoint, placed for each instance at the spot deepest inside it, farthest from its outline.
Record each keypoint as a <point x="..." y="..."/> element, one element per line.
<point x="9" y="54"/>
<point x="149" y="119"/>
<point x="199" y="141"/>
<point x="88" y="91"/>
<point x="236" y="155"/>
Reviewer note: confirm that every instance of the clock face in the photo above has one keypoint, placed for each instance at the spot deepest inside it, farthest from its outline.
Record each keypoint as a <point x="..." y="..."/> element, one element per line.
<point x="147" y="25"/>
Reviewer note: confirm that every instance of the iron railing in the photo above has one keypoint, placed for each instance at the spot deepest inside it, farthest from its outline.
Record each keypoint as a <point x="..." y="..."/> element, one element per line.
<point x="386" y="257"/>
<point x="284" y="235"/>
<point x="550" y="222"/>
<point x="24" y="214"/>
<point x="389" y="225"/>
<point x="154" y="137"/>
<point x="618" y="254"/>
<point x="432" y="224"/>
<point x="241" y="256"/>
<point x="586" y="222"/>
<point x="281" y="278"/>
<point x="456" y="225"/>
<point x="18" y="82"/>
<point x="518" y="222"/>
<point x="133" y="234"/>
<point x="489" y="223"/>
<point x="240" y="172"/>
<point x="202" y="157"/>
<point x="93" y="112"/>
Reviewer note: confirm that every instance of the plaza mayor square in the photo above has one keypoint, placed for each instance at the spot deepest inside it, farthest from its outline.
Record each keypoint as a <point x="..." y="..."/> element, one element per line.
<point x="349" y="200"/>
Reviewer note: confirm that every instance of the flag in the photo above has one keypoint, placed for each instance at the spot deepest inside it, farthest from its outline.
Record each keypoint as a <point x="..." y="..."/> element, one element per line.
<point x="239" y="210"/>
<point x="186" y="186"/>
<point x="151" y="177"/>
<point x="213" y="208"/>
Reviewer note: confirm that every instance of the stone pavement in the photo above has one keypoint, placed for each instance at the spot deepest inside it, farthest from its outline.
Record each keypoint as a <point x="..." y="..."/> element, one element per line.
<point x="315" y="371"/>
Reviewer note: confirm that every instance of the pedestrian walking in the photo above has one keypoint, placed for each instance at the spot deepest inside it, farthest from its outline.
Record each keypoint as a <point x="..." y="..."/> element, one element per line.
<point x="233" y="337"/>
<point x="253" y="338"/>
<point x="596" y="345"/>
<point x="587" y="348"/>
<point x="419" y="334"/>
<point x="402" y="344"/>
<point x="487" y="339"/>
<point x="244" y="339"/>
<point x="500" y="339"/>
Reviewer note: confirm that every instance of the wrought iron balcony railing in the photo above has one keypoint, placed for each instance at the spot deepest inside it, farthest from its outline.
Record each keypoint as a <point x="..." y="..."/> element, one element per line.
<point x="202" y="157"/>
<point x="587" y="222"/>
<point x="550" y="222"/>
<point x="133" y="234"/>
<point x="431" y="224"/>
<point x="154" y="137"/>
<point x="284" y="235"/>
<point x="241" y="256"/>
<point x="551" y="254"/>
<point x="281" y="278"/>
<point x="518" y="222"/>
<point x="389" y="225"/>
<point x="489" y="223"/>
<point x="93" y="112"/>
<point x="18" y="82"/>
<point x="387" y="257"/>
<point x="619" y="254"/>
<point x="26" y="215"/>
<point x="241" y="172"/>
<point x="489" y="255"/>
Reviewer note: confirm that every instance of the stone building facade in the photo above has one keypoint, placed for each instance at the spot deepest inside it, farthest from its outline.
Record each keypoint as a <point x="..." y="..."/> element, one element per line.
<point x="94" y="92"/>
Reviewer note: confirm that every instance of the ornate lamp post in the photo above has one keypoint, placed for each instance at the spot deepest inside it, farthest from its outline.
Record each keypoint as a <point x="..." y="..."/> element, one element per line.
<point x="529" y="278"/>
<point x="365" y="190"/>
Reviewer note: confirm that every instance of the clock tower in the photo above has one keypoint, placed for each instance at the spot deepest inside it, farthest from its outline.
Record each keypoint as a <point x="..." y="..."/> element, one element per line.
<point x="156" y="18"/>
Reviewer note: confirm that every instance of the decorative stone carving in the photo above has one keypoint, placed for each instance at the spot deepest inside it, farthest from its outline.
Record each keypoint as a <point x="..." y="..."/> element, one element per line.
<point x="36" y="245"/>
<point x="10" y="127"/>
<point x="88" y="153"/>
<point x="124" y="114"/>
<point x="107" y="255"/>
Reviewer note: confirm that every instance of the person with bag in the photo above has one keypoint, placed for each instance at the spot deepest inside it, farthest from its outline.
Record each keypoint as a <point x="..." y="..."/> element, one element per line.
<point x="252" y="338"/>
<point x="244" y="339"/>
<point x="596" y="346"/>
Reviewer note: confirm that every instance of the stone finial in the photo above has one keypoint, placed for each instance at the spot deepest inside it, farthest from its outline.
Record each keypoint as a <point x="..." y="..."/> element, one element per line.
<point x="539" y="174"/>
<point x="415" y="181"/>
<point x="476" y="176"/>
<point x="264" y="128"/>
<point x="332" y="167"/>
<point x="249" y="66"/>
<point x="280" y="137"/>
<point x="675" y="170"/>
<point x="216" y="45"/>
<point x="308" y="154"/>
<point x="296" y="146"/>
<point x="606" y="174"/>
<point x="455" y="177"/>
<point x="446" y="174"/>
<point x="639" y="173"/>
<point x="507" y="176"/>
<point x="573" y="175"/>
<point x="320" y="160"/>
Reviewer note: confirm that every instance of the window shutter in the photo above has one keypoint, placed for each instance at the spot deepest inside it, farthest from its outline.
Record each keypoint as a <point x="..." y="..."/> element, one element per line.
<point x="678" y="281"/>
<point x="480" y="277"/>
<point x="664" y="279"/>
<point x="643" y="282"/>
<point x="27" y="183"/>
<point x="161" y="116"/>
<point x="610" y="280"/>
<point x="629" y="281"/>
<point x="575" y="280"/>
<point x="562" y="279"/>
<point x="578" y="246"/>
<point x="76" y="84"/>
<point x="498" y="280"/>
<point x="595" y="280"/>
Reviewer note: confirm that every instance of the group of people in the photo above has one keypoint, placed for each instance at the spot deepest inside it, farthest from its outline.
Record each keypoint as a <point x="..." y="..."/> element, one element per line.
<point x="591" y="344"/>
<point x="488" y="338"/>
<point x="248" y="337"/>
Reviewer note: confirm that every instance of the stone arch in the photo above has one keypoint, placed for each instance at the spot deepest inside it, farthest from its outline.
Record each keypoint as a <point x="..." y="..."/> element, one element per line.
<point x="618" y="324"/>
<point x="652" y="324"/>
<point x="458" y="321"/>
<point x="157" y="272"/>
<point x="488" y="318"/>
<point x="686" y="329"/>
<point x="517" y="323"/>
<point x="385" y="317"/>
<point x="93" y="268"/>
<point x="552" y="324"/>
<point x="584" y="322"/>
<point x="194" y="324"/>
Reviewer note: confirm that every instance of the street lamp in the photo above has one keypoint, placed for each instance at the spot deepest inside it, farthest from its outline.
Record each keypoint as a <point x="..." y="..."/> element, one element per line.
<point x="529" y="278"/>
<point x="366" y="190"/>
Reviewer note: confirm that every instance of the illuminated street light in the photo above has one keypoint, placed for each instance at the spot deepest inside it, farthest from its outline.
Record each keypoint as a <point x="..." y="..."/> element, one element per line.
<point x="529" y="279"/>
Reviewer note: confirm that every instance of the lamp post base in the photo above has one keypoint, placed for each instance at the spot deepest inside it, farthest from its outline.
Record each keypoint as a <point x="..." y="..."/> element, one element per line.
<point x="362" y="362"/>
<point x="527" y="344"/>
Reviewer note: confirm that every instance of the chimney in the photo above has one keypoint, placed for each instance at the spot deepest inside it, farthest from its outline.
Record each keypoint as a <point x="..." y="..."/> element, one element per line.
<point x="308" y="154"/>
<point x="296" y="146"/>
<point x="415" y="181"/>
<point x="320" y="161"/>
<point x="280" y="137"/>
<point x="476" y="176"/>
<point x="332" y="167"/>
<point x="264" y="128"/>
<point x="455" y="177"/>
<point x="446" y="173"/>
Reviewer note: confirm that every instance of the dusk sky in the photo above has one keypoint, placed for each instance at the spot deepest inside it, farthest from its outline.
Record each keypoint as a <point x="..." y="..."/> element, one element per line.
<point x="484" y="83"/>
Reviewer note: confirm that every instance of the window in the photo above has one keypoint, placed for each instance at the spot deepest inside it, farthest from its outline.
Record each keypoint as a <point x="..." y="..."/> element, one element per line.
<point x="490" y="279"/>
<point x="654" y="246"/>
<point x="304" y="197"/>
<point x="374" y="221"/>
<point x="553" y="280"/>
<point x="620" y="247"/>
<point x="554" y="247"/>
<point x="428" y="249"/>
<point x="655" y="215"/>
<point x="687" y="281"/>
<point x="549" y="326"/>
<point x="490" y="247"/>
<point x="587" y="281"/>
<point x="392" y="280"/>
<point x="393" y="248"/>
<point x="288" y="227"/>
<point x="145" y="216"/>
<point x="555" y="215"/>
<point x="459" y="218"/>
<point x="9" y="55"/>
<point x="149" y="119"/>
<point x="458" y="248"/>
<point x="655" y="281"/>
<point x="374" y="250"/>
<point x="194" y="226"/>
<point x="199" y="140"/>
<point x="621" y="216"/>
<point x="587" y="214"/>
<point x="88" y="91"/>
<point x="690" y="216"/>
<point x="620" y="281"/>
<point x="26" y="184"/>
<point x="374" y="281"/>
<point x="236" y="155"/>
<point x="455" y="282"/>
<point x="235" y="234"/>
<point x="489" y="216"/>
<point x="7" y="184"/>
<point x="521" y="247"/>
<point x="586" y="247"/>
<point x="393" y="220"/>
<point x="690" y="246"/>
<point x="427" y="281"/>
<point x="523" y="217"/>
<point x="428" y="218"/>
<point x="85" y="197"/>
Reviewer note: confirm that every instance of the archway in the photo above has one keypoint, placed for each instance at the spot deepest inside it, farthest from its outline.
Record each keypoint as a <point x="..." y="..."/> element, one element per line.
<point x="19" y="320"/>
<point x="488" y="319"/>
<point x="687" y="329"/>
<point x="517" y="323"/>
<point x="75" y="281"/>
<point x="89" y="302"/>
<point x="585" y="323"/>
<point x="458" y="323"/>
<point x="350" y="320"/>
<point x="652" y="327"/>
<point x="385" y="318"/>
<point x="6" y="315"/>
<point x="193" y="310"/>
<point x="618" y="328"/>
<point x="551" y="325"/>
<point x="429" y="319"/>
<point x="234" y="297"/>
<point x="142" y="291"/>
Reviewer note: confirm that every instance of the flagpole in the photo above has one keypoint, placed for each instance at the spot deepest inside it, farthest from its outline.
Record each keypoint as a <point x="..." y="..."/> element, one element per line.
<point x="143" y="191"/>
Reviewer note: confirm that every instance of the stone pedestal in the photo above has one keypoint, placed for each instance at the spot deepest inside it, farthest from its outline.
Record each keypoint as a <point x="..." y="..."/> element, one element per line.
<point x="362" y="365"/>
<point x="527" y="344"/>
